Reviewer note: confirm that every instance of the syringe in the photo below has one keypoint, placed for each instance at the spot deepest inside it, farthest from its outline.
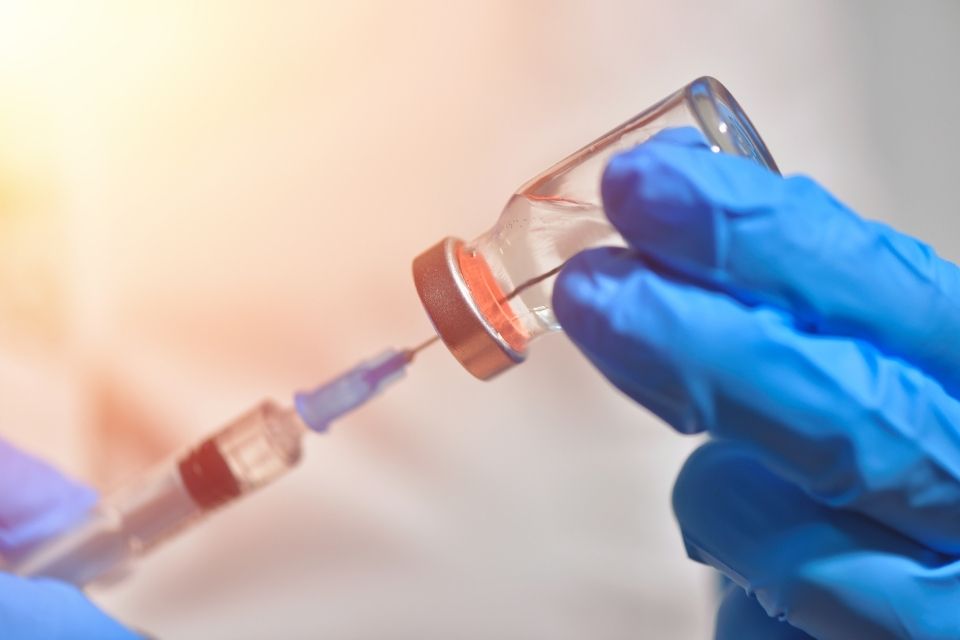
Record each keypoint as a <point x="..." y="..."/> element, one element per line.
<point x="246" y="454"/>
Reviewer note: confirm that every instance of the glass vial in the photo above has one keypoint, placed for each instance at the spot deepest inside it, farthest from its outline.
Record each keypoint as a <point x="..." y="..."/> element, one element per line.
<point x="490" y="297"/>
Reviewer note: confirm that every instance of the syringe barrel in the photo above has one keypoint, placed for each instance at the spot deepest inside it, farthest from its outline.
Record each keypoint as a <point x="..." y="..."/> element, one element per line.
<point x="247" y="454"/>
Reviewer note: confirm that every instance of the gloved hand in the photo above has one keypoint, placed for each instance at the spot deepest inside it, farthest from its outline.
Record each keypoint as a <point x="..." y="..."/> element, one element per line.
<point x="822" y="353"/>
<point x="37" y="502"/>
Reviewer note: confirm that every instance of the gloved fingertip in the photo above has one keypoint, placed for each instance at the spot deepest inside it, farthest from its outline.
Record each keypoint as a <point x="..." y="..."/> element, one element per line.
<point x="583" y="286"/>
<point x="622" y="316"/>
<point x="619" y="181"/>
<point x="662" y="197"/>
<point x="722" y="486"/>
<point x="671" y="198"/>
<point x="626" y="172"/>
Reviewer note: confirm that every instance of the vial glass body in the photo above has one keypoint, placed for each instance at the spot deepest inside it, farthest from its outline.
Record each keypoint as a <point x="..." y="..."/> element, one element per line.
<point x="490" y="297"/>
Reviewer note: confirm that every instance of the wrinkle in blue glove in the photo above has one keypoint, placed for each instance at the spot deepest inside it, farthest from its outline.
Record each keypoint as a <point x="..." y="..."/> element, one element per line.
<point x="822" y="351"/>
<point x="741" y="618"/>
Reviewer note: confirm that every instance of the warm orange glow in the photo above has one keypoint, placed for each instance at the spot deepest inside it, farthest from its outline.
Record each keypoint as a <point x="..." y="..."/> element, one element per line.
<point x="203" y="204"/>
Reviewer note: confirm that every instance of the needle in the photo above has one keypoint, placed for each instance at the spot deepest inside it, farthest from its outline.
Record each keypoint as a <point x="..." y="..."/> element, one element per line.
<point x="531" y="282"/>
<point x="411" y="353"/>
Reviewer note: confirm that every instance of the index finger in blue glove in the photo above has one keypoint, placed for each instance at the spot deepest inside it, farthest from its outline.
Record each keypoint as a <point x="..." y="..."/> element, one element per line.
<point x="725" y="222"/>
<point x="834" y="574"/>
<point x="851" y="426"/>
<point x="36" y="500"/>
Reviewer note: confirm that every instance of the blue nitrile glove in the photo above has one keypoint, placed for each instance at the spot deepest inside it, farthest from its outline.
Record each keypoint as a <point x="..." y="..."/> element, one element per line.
<point x="37" y="502"/>
<point x="822" y="352"/>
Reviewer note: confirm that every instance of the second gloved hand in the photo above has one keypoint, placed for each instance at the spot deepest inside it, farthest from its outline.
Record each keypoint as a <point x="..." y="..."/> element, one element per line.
<point x="822" y="352"/>
<point x="37" y="502"/>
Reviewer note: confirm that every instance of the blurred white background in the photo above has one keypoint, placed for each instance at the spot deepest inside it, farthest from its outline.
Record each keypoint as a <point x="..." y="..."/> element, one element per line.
<point x="202" y="204"/>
